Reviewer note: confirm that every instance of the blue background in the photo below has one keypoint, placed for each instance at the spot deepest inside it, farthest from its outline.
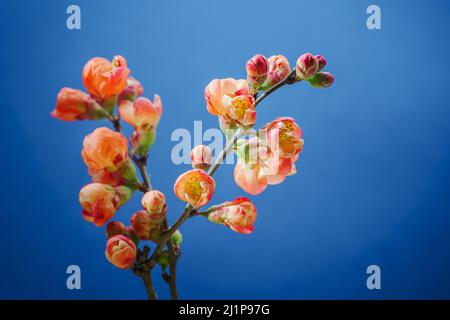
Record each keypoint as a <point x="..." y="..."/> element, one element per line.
<point x="373" y="182"/>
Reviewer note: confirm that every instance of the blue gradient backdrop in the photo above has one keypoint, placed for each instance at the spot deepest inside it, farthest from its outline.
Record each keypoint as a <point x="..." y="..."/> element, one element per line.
<point x="373" y="183"/>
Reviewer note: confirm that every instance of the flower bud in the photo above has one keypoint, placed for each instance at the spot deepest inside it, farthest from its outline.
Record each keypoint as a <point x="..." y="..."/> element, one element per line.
<point x="104" y="79"/>
<point x="257" y="68"/>
<point x="121" y="251"/>
<point x="177" y="238"/>
<point x="154" y="203"/>
<point x="115" y="228"/>
<point x="241" y="109"/>
<point x="144" y="227"/>
<point x="322" y="80"/>
<point x="163" y="259"/>
<point x="100" y="202"/>
<point x="201" y="157"/>
<point x="133" y="90"/>
<point x="279" y="69"/>
<point x="307" y="66"/>
<point x="195" y="187"/>
<point x="105" y="153"/>
<point x="321" y="61"/>
<point x="142" y="140"/>
<point x="239" y="215"/>
<point x="74" y="105"/>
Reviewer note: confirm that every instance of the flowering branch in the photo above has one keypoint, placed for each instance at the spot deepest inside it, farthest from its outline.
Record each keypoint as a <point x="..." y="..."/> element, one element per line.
<point x="190" y="210"/>
<point x="112" y="161"/>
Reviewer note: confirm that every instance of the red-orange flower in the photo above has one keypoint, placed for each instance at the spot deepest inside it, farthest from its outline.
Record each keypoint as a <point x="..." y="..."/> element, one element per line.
<point x="195" y="187"/>
<point x="239" y="215"/>
<point x="72" y="104"/>
<point x="104" y="79"/>
<point x="121" y="251"/>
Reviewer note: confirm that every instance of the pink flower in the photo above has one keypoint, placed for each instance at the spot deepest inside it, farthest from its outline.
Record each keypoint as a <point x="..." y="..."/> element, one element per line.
<point x="121" y="251"/>
<point x="260" y="163"/>
<point x="201" y="157"/>
<point x="307" y="66"/>
<point x="142" y="113"/>
<point x="279" y="69"/>
<point x="257" y="68"/>
<point x="104" y="79"/>
<point x="241" y="109"/>
<point x="248" y="177"/>
<point x="218" y="88"/>
<point x="195" y="187"/>
<point x="239" y="215"/>
<point x="74" y="105"/>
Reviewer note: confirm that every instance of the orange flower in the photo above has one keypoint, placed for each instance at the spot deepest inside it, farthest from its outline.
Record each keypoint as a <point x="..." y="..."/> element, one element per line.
<point x="105" y="152"/>
<point x="284" y="136"/>
<point x="104" y="79"/>
<point x="241" y="109"/>
<point x="100" y="202"/>
<point x="239" y="215"/>
<point x="141" y="113"/>
<point x="195" y="187"/>
<point x="121" y="251"/>
<point x="104" y="149"/>
<point x="72" y="104"/>
<point x="218" y="88"/>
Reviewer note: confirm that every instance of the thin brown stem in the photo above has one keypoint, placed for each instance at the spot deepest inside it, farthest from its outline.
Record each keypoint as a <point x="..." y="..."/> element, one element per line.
<point x="173" y="259"/>
<point x="141" y="163"/>
<point x="290" y="79"/>
<point x="141" y="270"/>
<point x="147" y="278"/>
